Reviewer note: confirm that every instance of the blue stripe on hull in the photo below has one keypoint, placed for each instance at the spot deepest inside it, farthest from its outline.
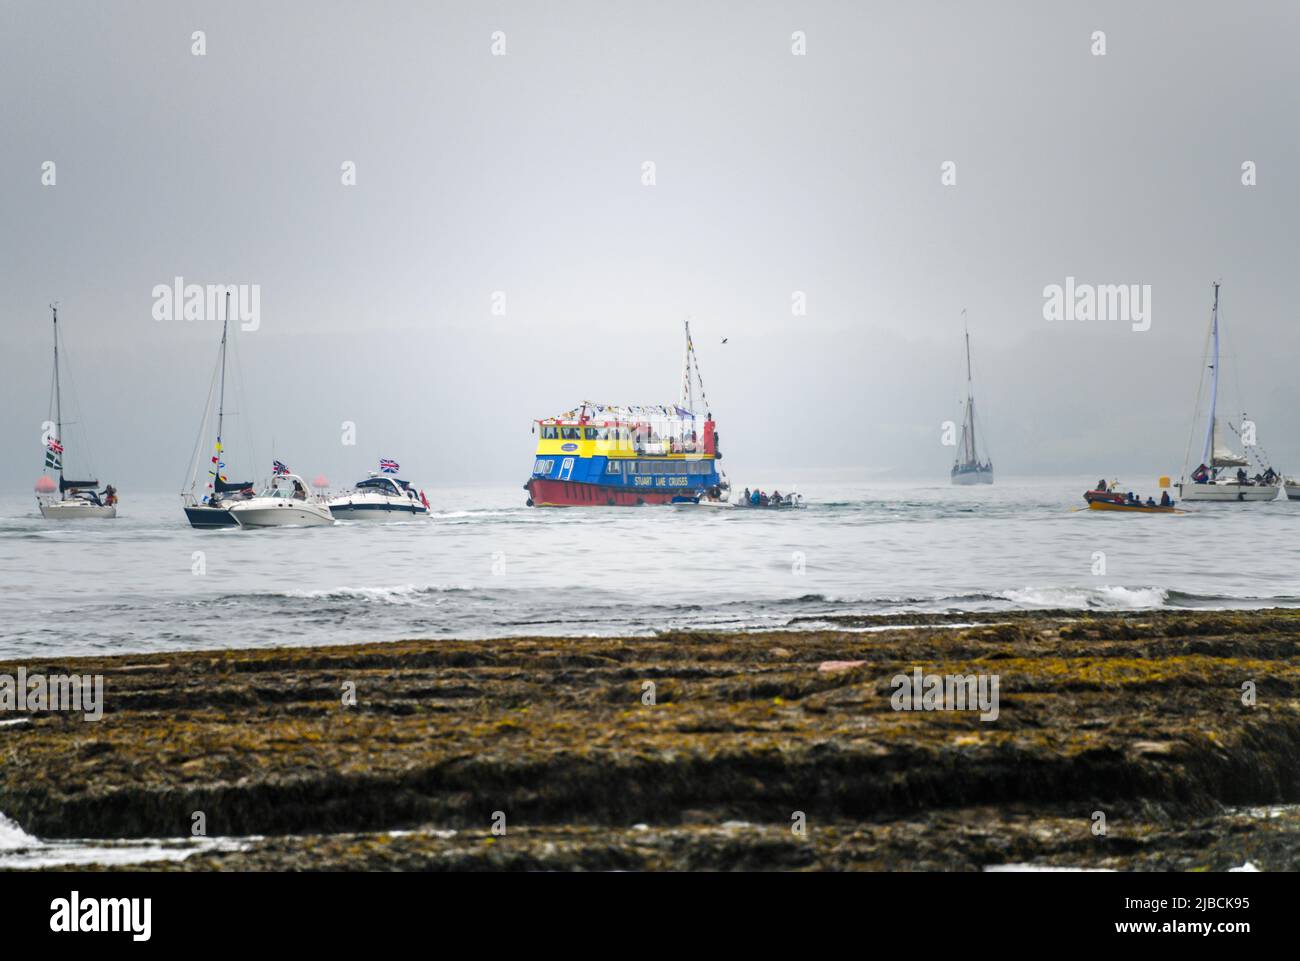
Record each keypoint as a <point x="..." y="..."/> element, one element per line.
<point x="631" y="474"/>
<point x="343" y="510"/>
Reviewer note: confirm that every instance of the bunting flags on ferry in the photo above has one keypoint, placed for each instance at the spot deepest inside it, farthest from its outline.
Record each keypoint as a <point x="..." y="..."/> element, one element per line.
<point x="389" y="466"/>
<point x="279" y="467"/>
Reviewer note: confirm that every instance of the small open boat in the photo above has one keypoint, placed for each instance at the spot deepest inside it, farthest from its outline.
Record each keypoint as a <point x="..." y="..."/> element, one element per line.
<point x="787" y="502"/>
<point x="1108" y="501"/>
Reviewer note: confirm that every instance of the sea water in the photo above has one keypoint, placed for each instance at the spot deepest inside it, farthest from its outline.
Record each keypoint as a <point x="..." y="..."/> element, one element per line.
<point x="487" y="566"/>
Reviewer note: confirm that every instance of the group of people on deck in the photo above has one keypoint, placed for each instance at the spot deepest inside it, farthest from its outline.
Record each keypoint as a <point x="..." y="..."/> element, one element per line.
<point x="1202" y="475"/>
<point x="105" y="498"/>
<point x="758" y="498"/>
<point x="1130" y="499"/>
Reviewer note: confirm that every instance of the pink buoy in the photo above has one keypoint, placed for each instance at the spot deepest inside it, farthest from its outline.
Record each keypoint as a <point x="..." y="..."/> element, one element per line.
<point x="46" y="485"/>
<point x="321" y="482"/>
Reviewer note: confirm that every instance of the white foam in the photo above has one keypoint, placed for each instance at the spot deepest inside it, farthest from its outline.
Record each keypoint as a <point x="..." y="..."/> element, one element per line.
<point x="1106" y="597"/>
<point x="1043" y="868"/>
<point x="401" y="594"/>
<point x="20" y="850"/>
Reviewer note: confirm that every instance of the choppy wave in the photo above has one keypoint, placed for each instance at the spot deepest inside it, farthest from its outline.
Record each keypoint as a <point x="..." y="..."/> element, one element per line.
<point x="401" y="594"/>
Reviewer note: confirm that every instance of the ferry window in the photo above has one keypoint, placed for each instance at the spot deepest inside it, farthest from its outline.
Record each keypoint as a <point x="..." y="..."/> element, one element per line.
<point x="589" y="433"/>
<point x="570" y="433"/>
<point x="613" y="467"/>
<point x="541" y="466"/>
<point x="550" y="433"/>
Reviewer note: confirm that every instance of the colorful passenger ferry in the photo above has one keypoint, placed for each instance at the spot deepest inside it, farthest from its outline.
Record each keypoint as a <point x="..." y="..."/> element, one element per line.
<point x="601" y="455"/>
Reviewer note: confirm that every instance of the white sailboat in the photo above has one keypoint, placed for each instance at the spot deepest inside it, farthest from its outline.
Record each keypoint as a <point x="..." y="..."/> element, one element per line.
<point x="967" y="468"/>
<point x="72" y="499"/>
<point x="1222" y="475"/>
<point x="211" y="508"/>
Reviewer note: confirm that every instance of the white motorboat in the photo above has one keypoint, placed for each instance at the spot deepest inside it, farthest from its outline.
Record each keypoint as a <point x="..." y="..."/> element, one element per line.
<point x="967" y="468"/>
<point x="72" y="499"/>
<point x="380" y="497"/>
<point x="1222" y="474"/>
<point x="286" y="502"/>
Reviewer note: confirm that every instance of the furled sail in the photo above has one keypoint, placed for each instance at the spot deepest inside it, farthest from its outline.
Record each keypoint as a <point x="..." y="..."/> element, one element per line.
<point x="1225" y="456"/>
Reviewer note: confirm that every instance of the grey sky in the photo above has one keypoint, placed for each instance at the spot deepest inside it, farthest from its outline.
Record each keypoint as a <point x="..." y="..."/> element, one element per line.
<point x="775" y="173"/>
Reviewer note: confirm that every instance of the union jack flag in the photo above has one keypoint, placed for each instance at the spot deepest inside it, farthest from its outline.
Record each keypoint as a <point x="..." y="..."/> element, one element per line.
<point x="279" y="467"/>
<point x="54" y="445"/>
<point x="389" y="466"/>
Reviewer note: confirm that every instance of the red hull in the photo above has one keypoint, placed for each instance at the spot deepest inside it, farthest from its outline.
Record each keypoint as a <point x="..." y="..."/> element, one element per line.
<point x="552" y="493"/>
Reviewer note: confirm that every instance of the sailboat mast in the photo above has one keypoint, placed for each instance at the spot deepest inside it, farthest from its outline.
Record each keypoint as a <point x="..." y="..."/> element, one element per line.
<point x="1208" y="453"/>
<point x="58" y="394"/>
<point x="970" y="398"/>
<point x="221" y="400"/>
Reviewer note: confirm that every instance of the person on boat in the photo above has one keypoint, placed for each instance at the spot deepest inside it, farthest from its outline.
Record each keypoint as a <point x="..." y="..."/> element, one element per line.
<point x="764" y="500"/>
<point x="1270" y="477"/>
<point x="748" y="500"/>
<point x="1150" y="502"/>
<point x="756" y="498"/>
<point x="1165" y="499"/>
<point x="1201" y="475"/>
<point x="1242" y="477"/>
<point x="1101" y="486"/>
<point x="299" y="492"/>
<point x="110" y="495"/>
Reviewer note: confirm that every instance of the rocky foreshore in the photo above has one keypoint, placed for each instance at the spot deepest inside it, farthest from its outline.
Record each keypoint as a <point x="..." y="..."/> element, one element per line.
<point x="1156" y="740"/>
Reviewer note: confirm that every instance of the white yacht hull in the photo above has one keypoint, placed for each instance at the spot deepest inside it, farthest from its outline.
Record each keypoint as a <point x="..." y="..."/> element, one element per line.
<point x="1227" y="493"/>
<point x="281" y="514"/>
<point x="75" y="510"/>
<point x="1293" y="492"/>
<point x="377" y="509"/>
<point x="969" y="478"/>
